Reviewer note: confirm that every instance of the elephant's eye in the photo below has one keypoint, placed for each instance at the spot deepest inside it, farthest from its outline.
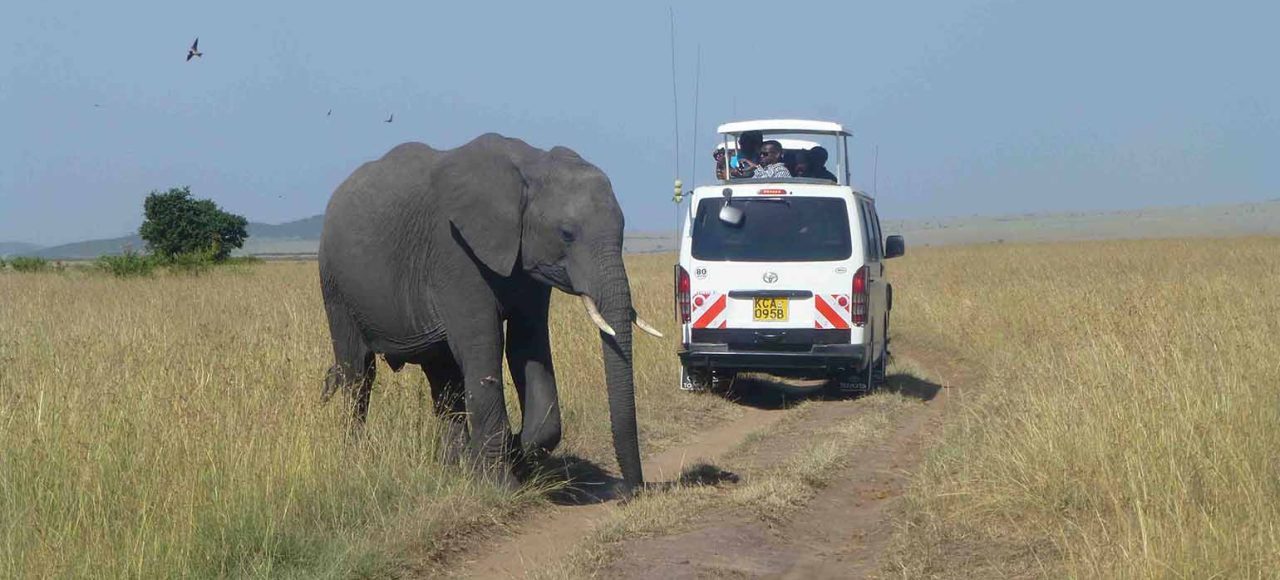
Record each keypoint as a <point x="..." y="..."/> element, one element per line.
<point x="567" y="236"/>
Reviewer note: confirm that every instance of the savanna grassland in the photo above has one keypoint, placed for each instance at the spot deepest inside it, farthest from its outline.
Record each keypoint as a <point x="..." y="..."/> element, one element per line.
<point x="170" y="425"/>
<point x="1122" y="422"/>
<point x="1126" y="422"/>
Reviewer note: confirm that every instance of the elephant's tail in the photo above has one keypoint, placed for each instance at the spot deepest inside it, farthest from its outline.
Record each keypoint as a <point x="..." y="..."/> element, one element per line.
<point x="332" y="382"/>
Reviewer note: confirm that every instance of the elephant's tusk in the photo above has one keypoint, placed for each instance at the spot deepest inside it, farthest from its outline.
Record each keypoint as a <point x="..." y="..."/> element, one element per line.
<point x="642" y="325"/>
<point x="595" y="316"/>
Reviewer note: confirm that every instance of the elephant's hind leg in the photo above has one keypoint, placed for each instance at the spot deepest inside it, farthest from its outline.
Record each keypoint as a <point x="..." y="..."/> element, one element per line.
<point x="448" y="398"/>
<point x="353" y="369"/>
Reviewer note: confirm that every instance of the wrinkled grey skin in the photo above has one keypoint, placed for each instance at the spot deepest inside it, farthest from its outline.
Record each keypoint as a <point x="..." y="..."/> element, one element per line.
<point x="425" y="255"/>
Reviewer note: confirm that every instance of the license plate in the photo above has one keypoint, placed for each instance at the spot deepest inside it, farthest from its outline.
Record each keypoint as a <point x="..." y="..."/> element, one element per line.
<point x="770" y="309"/>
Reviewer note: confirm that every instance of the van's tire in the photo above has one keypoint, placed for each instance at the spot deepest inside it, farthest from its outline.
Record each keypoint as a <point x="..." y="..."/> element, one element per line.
<point x="881" y="366"/>
<point x="876" y="376"/>
<point x="722" y="382"/>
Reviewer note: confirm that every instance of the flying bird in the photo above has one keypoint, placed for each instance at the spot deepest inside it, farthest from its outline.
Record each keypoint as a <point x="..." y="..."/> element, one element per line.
<point x="393" y="115"/>
<point x="194" y="50"/>
<point x="329" y="113"/>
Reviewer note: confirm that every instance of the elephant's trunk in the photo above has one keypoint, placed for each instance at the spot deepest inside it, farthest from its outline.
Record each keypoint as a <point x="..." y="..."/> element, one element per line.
<point x="613" y="295"/>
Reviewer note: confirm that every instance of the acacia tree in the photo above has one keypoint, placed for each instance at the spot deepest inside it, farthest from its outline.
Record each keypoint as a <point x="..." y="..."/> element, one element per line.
<point x="177" y="224"/>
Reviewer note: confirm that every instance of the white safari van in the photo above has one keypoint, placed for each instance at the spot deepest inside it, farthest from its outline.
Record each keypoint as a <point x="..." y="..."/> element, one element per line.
<point x="783" y="275"/>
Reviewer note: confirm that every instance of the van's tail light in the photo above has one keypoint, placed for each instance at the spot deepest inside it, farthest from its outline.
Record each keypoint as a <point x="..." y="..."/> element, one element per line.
<point x="860" y="297"/>
<point x="682" y="295"/>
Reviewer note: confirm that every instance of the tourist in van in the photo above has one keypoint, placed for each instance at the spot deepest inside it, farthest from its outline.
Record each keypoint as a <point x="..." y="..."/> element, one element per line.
<point x="743" y="162"/>
<point x="799" y="165"/>
<point x="718" y="156"/>
<point x="771" y="165"/>
<point x="818" y="164"/>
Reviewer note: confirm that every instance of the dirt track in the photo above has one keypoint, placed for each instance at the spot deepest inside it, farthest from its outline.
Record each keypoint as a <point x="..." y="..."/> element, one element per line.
<point x="838" y="534"/>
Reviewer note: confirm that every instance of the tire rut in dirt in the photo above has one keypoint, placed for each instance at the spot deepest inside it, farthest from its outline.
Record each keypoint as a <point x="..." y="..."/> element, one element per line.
<point x="550" y="534"/>
<point x="840" y="533"/>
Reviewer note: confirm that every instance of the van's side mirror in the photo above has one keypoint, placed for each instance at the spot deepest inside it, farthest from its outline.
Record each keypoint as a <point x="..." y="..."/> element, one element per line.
<point x="894" y="246"/>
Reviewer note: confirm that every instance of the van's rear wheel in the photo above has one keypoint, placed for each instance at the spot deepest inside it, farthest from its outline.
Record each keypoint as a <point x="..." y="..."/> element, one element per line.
<point x="722" y="381"/>
<point x="878" y="374"/>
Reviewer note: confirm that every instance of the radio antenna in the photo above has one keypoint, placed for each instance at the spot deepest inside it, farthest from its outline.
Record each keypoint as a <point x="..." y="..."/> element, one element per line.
<point x="875" y="174"/>
<point x="697" y="85"/>
<point x="678" y="191"/>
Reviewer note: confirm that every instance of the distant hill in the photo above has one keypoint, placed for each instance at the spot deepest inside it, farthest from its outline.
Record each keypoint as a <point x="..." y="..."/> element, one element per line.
<point x="304" y="229"/>
<point x="1201" y="221"/>
<point x="16" y="249"/>
<point x="302" y="237"/>
<point x="295" y="237"/>
<point x="91" y="248"/>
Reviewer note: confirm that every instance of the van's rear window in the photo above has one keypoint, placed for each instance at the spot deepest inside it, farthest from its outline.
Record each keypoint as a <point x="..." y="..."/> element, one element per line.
<point x="774" y="229"/>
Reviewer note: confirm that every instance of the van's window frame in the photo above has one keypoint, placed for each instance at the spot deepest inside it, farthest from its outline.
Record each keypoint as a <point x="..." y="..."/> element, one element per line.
<point x="875" y="222"/>
<point x="869" y="250"/>
<point x="712" y="207"/>
<point x="841" y="160"/>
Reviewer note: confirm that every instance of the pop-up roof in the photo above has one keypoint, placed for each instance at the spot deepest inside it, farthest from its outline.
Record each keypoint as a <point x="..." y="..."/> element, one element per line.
<point x="796" y="126"/>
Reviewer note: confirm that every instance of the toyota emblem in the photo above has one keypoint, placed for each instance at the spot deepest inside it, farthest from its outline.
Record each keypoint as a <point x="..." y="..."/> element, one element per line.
<point x="770" y="277"/>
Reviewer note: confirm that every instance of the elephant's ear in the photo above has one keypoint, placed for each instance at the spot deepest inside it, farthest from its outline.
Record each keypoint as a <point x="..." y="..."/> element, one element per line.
<point x="484" y="199"/>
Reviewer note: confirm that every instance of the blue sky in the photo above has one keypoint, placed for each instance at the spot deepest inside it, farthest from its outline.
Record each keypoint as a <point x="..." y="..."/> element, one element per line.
<point x="977" y="107"/>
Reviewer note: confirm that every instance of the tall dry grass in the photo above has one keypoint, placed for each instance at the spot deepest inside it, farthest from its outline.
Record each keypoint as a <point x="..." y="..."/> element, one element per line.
<point x="170" y="426"/>
<point x="1126" y="424"/>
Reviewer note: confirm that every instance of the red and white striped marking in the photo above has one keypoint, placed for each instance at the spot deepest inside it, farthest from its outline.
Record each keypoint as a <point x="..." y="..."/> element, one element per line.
<point x="708" y="310"/>
<point x="831" y="311"/>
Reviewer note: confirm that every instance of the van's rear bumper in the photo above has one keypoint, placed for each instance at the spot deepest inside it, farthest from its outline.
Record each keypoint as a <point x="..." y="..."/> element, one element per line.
<point x="812" y="350"/>
<point x="831" y="359"/>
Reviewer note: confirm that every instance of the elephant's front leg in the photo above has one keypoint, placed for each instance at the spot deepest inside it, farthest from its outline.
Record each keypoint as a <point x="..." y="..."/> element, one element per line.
<point x="529" y="359"/>
<point x="480" y="355"/>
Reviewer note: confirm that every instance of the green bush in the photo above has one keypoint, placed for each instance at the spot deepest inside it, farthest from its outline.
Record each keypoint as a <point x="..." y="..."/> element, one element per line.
<point x="192" y="263"/>
<point x="2" y="263"/>
<point x="28" y="264"/>
<point x="129" y="264"/>
<point x="177" y="223"/>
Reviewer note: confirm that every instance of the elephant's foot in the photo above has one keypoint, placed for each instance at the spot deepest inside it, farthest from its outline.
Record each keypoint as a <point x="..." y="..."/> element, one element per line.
<point x="453" y="442"/>
<point x="626" y="492"/>
<point x="500" y="474"/>
<point x="503" y="477"/>
<point x="501" y="467"/>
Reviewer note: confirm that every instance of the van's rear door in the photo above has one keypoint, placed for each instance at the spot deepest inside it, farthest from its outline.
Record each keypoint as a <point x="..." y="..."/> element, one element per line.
<point x="785" y="267"/>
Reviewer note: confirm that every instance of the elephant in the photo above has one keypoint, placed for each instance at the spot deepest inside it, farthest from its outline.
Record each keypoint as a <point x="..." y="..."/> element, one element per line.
<point x="426" y="254"/>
